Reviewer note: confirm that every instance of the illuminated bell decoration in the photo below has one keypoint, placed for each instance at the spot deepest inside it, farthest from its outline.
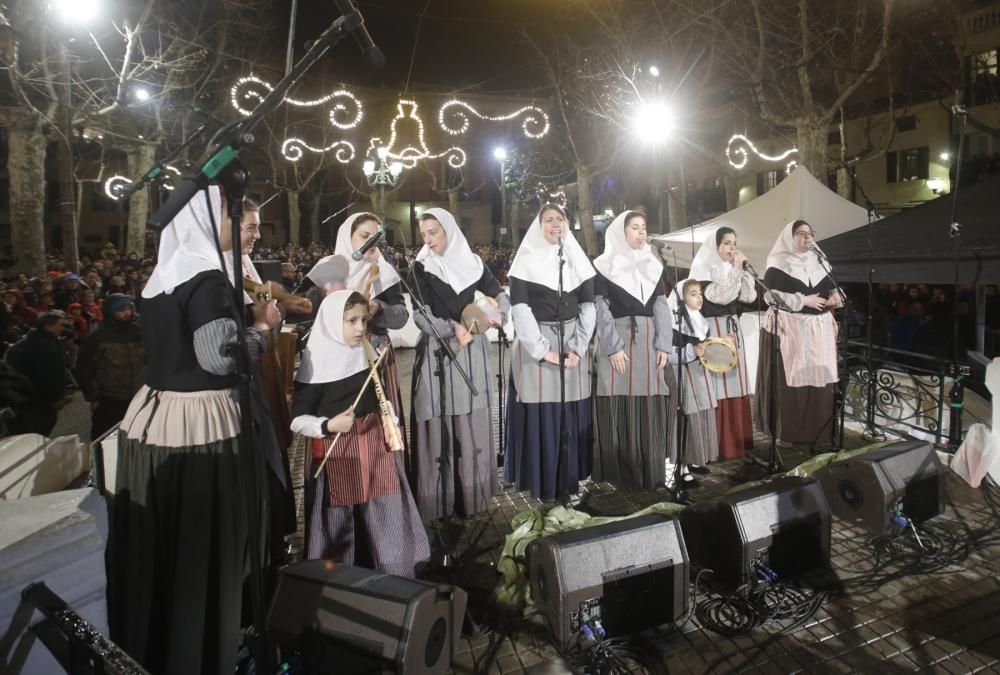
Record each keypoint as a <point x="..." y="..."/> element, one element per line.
<point x="534" y="125"/>
<point x="409" y="155"/>
<point x="738" y="156"/>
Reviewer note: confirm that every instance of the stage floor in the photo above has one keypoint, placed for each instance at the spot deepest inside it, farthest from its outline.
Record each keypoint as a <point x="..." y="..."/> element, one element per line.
<point x="947" y="622"/>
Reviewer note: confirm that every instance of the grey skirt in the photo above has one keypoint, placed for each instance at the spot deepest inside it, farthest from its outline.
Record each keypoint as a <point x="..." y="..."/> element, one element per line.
<point x="538" y="381"/>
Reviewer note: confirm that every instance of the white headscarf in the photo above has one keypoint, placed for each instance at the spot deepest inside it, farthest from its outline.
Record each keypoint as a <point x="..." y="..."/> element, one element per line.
<point x="699" y="324"/>
<point x="805" y="267"/>
<point x="457" y="265"/>
<point x="248" y="271"/>
<point x="537" y="260"/>
<point x="357" y="275"/>
<point x="637" y="271"/>
<point x="327" y="358"/>
<point x="188" y="245"/>
<point x="708" y="265"/>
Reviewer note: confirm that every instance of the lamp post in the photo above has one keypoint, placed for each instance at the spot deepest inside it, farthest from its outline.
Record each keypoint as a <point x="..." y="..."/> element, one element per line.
<point x="381" y="174"/>
<point x="500" y="154"/>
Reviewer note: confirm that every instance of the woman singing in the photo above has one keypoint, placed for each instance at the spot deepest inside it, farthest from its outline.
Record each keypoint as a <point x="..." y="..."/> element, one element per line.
<point x="805" y="360"/>
<point x="534" y="409"/>
<point x="725" y="284"/>
<point x="456" y="473"/>
<point x="634" y="336"/>
<point x="360" y="510"/>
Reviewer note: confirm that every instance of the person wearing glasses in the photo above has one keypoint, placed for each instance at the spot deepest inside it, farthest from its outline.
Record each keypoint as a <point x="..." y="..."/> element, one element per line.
<point x="800" y="320"/>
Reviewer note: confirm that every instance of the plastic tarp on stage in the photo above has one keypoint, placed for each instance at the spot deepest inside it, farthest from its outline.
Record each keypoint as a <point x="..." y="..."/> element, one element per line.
<point x="758" y="223"/>
<point x="916" y="245"/>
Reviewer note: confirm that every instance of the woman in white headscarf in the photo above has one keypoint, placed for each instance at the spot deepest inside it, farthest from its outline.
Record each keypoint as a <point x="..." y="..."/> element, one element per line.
<point x="698" y="430"/>
<point x="362" y="494"/>
<point x="458" y="473"/>
<point x="798" y="343"/>
<point x="719" y="266"/>
<point x="634" y="337"/>
<point x="179" y="537"/>
<point x="533" y="407"/>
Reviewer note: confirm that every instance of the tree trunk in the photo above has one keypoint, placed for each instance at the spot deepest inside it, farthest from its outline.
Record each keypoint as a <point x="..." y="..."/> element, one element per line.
<point x="676" y="198"/>
<point x="732" y="191"/>
<point x="453" y="203"/>
<point x="294" y="217"/>
<point x="585" y="209"/>
<point x="811" y="137"/>
<point x="844" y="185"/>
<point x="312" y="215"/>
<point x="139" y="160"/>
<point x="67" y="208"/>
<point x="26" y="168"/>
<point x="514" y="221"/>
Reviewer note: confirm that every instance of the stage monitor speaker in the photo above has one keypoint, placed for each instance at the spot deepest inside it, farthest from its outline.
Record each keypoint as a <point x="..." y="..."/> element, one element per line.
<point x="874" y="488"/>
<point x="269" y="270"/>
<point x="349" y="620"/>
<point x="783" y="525"/>
<point x="628" y="575"/>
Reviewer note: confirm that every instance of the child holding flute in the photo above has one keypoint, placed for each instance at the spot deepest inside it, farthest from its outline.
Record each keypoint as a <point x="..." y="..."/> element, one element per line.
<point x="358" y="506"/>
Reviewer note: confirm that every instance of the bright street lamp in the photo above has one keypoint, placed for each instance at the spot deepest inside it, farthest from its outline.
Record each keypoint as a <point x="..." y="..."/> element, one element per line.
<point x="141" y="94"/>
<point x="75" y="11"/>
<point x="653" y="122"/>
<point x="654" y="71"/>
<point x="381" y="174"/>
<point x="500" y="153"/>
<point x="945" y="156"/>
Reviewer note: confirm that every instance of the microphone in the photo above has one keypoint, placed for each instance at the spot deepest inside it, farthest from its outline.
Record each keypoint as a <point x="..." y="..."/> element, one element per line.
<point x="661" y="245"/>
<point x="369" y="243"/>
<point x="960" y="110"/>
<point x="749" y="268"/>
<point x="815" y="249"/>
<point x="850" y="161"/>
<point x="361" y="35"/>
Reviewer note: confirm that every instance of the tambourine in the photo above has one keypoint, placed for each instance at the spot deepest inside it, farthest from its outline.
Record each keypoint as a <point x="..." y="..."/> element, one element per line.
<point x="476" y="316"/>
<point x="720" y="355"/>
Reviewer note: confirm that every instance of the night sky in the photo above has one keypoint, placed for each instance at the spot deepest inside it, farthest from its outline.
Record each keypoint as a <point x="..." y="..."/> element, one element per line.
<point x="461" y="44"/>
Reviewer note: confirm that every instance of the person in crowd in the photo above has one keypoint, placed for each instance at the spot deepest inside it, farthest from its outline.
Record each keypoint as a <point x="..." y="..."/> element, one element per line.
<point x="798" y="343"/>
<point x="360" y="510"/>
<point x="699" y="431"/>
<point x="725" y="283"/>
<point x="535" y="412"/>
<point x="190" y="487"/>
<point x="109" y="365"/>
<point x="69" y="292"/>
<point x="15" y="301"/>
<point x="289" y="277"/>
<point x="634" y="338"/>
<point x="453" y="453"/>
<point x="41" y="358"/>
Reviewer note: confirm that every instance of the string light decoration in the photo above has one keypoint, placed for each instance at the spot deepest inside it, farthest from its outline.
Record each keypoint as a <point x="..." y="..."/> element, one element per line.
<point x="346" y="111"/>
<point x="116" y="185"/>
<point x="742" y="157"/>
<point x="292" y="150"/>
<point x="534" y="125"/>
<point x="410" y="155"/>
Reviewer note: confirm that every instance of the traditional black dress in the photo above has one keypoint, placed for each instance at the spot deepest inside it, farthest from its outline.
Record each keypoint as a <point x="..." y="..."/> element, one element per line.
<point x="631" y="410"/>
<point x="468" y="476"/>
<point x="179" y="547"/>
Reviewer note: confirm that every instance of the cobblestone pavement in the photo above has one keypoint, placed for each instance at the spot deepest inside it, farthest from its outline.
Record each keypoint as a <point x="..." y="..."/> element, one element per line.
<point x="948" y="622"/>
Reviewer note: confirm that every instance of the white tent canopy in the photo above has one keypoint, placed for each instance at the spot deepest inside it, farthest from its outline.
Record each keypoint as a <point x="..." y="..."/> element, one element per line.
<point x="759" y="222"/>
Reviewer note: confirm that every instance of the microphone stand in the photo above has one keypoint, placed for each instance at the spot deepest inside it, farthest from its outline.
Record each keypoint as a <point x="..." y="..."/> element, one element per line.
<point x="502" y="343"/>
<point x="442" y="352"/>
<point x="678" y="490"/>
<point x="841" y="347"/>
<point x="156" y="171"/>
<point x="871" y="431"/>
<point x="562" y="490"/>
<point x="955" y="231"/>
<point x="774" y="461"/>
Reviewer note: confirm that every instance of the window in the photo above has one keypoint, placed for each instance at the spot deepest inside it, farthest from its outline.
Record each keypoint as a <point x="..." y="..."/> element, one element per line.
<point x="906" y="123"/>
<point x="982" y="73"/>
<point x="907" y="165"/>
<point x="833" y="138"/>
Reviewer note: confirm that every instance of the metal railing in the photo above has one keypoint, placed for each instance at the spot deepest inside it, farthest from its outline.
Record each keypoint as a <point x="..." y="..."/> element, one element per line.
<point x="904" y="393"/>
